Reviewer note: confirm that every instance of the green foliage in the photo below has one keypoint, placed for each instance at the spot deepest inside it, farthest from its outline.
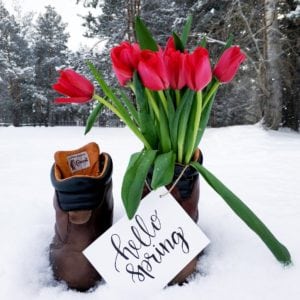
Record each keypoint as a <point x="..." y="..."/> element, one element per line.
<point x="134" y="179"/>
<point x="163" y="171"/>
<point x="144" y="36"/>
<point x="178" y="43"/>
<point x="186" y="31"/>
<point x="244" y="212"/>
<point x="147" y="128"/>
<point x="93" y="117"/>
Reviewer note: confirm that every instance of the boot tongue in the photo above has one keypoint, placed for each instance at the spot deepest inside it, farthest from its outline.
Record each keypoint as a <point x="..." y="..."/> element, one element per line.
<point x="82" y="161"/>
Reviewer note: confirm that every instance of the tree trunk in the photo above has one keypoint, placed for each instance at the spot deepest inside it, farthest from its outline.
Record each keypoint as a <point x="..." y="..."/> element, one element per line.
<point x="15" y="97"/>
<point x="273" y="103"/>
<point x="133" y="10"/>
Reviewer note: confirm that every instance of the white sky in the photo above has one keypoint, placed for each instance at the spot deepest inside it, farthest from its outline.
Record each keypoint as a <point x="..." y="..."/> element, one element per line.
<point x="66" y="8"/>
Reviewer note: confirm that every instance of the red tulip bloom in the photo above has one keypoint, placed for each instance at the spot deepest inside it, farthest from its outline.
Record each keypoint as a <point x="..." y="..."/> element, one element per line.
<point x="125" y="59"/>
<point x="228" y="64"/>
<point x="152" y="70"/>
<point x="174" y="61"/>
<point x="75" y="86"/>
<point x="170" y="46"/>
<point x="197" y="69"/>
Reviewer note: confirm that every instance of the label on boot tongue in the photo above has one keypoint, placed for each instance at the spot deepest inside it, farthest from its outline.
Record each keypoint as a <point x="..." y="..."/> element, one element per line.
<point x="78" y="161"/>
<point x="144" y="254"/>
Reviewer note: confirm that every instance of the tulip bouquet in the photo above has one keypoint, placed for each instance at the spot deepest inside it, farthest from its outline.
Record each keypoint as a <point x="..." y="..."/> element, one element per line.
<point x="174" y="90"/>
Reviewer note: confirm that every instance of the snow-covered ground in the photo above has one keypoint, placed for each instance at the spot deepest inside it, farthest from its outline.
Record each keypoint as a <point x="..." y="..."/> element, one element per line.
<point x="262" y="167"/>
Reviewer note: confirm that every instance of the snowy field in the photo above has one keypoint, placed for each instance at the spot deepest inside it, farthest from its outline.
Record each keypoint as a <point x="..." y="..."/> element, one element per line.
<point x="262" y="167"/>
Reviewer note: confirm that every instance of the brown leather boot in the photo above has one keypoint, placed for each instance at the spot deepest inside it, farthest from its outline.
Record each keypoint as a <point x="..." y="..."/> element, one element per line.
<point x="83" y="203"/>
<point x="186" y="192"/>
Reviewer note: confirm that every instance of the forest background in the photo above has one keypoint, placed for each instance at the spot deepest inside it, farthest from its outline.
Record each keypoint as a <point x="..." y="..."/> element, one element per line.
<point x="266" y="89"/>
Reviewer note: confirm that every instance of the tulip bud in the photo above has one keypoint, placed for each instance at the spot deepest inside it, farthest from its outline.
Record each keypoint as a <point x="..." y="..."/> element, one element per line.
<point x="125" y="59"/>
<point x="228" y="64"/>
<point x="174" y="61"/>
<point x="197" y="69"/>
<point x="152" y="70"/>
<point x="78" y="88"/>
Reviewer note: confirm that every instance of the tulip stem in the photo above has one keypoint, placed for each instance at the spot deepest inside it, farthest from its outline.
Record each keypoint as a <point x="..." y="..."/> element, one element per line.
<point x="127" y="121"/>
<point x="183" y="125"/>
<point x="177" y="95"/>
<point x="163" y="100"/>
<point x="192" y="146"/>
<point x="153" y="104"/>
<point x="210" y="93"/>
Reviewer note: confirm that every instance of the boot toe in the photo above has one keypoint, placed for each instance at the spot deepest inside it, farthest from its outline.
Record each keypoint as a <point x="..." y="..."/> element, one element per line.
<point x="74" y="269"/>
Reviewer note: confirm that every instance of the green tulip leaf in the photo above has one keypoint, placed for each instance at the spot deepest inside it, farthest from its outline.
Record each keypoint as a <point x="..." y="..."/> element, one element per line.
<point x="186" y="30"/>
<point x="203" y="42"/>
<point x="186" y="99"/>
<point x="116" y="106"/>
<point x="163" y="169"/>
<point x="243" y="211"/>
<point x="144" y="36"/>
<point x="145" y="120"/>
<point x="182" y="126"/>
<point x="204" y="119"/>
<point x="132" y="110"/>
<point x="189" y="143"/>
<point x="178" y="43"/>
<point x="108" y="91"/>
<point x="133" y="158"/>
<point x="229" y="42"/>
<point x="134" y="180"/>
<point x="92" y="117"/>
<point x="171" y="116"/>
<point x="164" y="132"/>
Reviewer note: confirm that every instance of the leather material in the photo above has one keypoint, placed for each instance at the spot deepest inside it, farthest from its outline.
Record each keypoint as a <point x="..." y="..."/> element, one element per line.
<point x="82" y="192"/>
<point x="77" y="229"/>
<point x="186" y="192"/>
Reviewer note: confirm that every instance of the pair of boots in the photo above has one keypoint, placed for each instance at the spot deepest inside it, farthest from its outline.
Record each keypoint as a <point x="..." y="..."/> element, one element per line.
<point x="83" y="202"/>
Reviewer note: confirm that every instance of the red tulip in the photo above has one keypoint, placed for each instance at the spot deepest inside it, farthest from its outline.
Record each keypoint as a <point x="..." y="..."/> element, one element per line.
<point x="152" y="70"/>
<point x="170" y="46"/>
<point x="228" y="64"/>
<point x="75" y="86"/>
<point x="125" y="59"/>
<point x="197" y="69"/>
<point x="174" y="61"/>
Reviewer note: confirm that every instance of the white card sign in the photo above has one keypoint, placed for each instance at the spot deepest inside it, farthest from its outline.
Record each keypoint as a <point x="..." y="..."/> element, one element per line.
<point x="145" y="253"/>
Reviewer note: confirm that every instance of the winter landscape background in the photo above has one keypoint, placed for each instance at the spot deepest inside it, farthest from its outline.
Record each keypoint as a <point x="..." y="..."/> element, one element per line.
<point x="34" y="45"/>
<point x="262" y="167"/>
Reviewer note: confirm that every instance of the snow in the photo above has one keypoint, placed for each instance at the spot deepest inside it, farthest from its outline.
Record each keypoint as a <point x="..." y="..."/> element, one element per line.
<point x="262" y="167"/>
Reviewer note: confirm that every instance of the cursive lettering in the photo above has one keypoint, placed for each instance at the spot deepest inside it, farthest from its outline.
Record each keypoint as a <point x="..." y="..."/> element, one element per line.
<point x="138" y="262"/>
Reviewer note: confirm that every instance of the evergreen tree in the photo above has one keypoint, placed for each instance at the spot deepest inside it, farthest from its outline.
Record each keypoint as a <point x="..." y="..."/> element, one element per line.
<point x="269" y="38"/>
<point x="50" y="53"/>
<point x="15" y="70"/>
<point x="289" y="21"/>
<point x="164" y="17"/>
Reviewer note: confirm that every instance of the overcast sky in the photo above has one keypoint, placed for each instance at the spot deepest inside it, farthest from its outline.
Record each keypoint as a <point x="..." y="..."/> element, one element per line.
<point x="66" y="8"/>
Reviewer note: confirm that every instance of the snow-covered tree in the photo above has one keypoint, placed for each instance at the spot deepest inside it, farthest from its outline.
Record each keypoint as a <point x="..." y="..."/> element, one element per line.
<point x="50" y="54"/>
<point x="266" y="87"/>
<point x="289" y="21"/>
<point x="15" y="70"/>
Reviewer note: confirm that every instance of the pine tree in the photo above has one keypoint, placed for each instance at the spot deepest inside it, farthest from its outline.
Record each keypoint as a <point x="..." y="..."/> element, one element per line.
<point x="164" y="17"/>
<point x="15" y="70"/>
<point x="248" y="98"/>
<point x="50" y="52"/>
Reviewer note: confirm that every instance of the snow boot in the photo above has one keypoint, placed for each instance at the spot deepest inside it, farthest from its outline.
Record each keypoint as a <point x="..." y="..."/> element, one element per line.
<point x="83" y="202"/>
<point x="186" y="191"/>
